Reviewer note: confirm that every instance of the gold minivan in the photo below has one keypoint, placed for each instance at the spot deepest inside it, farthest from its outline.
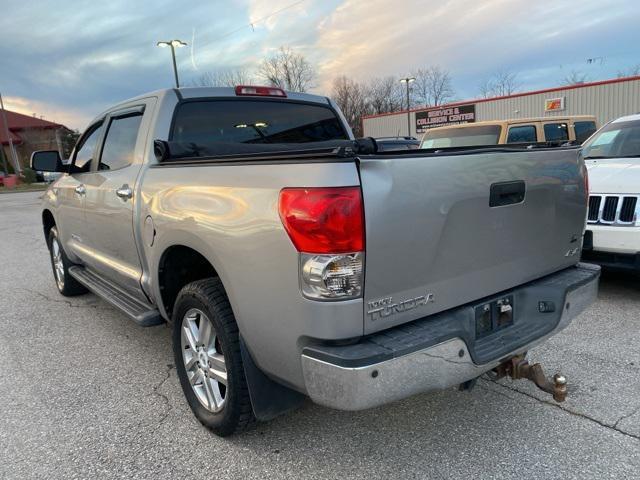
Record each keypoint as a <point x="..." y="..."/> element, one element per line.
<point x="575" y="129"/>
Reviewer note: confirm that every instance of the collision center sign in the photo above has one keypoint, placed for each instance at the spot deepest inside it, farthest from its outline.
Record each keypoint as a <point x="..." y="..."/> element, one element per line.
<point x="445" y="116"/>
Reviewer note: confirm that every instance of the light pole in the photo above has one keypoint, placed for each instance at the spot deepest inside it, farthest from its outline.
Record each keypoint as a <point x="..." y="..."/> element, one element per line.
<point x="173" y="44"/>
<point x="408" y="80"/>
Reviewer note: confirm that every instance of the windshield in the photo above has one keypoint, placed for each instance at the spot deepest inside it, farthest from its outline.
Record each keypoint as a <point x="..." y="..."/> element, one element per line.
<point x="616" y="140"/>
<point x="254" y="121"/>
<point x="462" y="137"/>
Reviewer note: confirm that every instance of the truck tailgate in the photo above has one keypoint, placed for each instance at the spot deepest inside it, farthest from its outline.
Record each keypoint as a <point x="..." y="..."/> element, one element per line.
<point x="434" y="241"/>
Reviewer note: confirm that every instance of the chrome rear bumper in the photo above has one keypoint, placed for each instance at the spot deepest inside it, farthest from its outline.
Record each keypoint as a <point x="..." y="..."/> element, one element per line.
<point x="443" y="365"/>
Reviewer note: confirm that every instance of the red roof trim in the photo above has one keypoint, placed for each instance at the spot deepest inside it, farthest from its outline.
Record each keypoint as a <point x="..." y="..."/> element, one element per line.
<point x="523" y="94"/>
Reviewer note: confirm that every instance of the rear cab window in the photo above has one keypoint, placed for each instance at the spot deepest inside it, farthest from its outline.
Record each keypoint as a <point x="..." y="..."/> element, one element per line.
<point x="522" y="134"/>
<point x="251" y="121"/>
<point x="476" y="135"/>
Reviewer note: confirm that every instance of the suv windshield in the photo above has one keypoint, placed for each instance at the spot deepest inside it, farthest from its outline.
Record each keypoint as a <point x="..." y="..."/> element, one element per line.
<point x="462" y="136"/>
<point x="616" y="140"/>
<point x="249" y="121"/>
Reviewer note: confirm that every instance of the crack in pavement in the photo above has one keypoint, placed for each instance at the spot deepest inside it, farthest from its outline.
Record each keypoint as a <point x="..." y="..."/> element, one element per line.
<point x="61" y="300"/>
<point x="564" y="409"/>
<point x="624" y="417"/>
<point x="165" y="398"/>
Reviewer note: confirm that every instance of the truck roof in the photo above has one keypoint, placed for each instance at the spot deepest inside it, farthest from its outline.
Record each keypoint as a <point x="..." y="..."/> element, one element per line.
<point x="208" y="92"/>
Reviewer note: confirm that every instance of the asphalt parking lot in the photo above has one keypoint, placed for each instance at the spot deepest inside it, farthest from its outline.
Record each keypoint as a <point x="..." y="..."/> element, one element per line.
<point x="85" y="393"/>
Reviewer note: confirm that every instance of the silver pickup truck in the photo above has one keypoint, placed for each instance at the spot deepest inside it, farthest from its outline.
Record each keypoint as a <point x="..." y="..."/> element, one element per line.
<point x="294" y="261"/>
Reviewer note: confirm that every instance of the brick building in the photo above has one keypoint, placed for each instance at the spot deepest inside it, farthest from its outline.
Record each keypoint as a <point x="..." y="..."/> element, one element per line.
<point x="29" y="133"/>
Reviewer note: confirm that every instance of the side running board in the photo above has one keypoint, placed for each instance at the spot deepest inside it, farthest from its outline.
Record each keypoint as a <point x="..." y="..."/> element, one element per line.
<point x="142" y="313"/>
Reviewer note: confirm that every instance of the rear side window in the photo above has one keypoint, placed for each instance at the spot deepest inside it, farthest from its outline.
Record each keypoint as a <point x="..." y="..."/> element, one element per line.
<point x="584" y="130"/>
<point x="522" y="134"/>
<point x="120" y="142"/>
<point x="254" y="121"/>
<point x="556" y="132"/>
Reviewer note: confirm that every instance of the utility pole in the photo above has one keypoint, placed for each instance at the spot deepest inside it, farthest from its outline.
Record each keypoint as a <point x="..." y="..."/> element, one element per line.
<point x="173" y="44"/>
<point x="4" y="160"/>
<point x="407" y="81"/>
<point x="14" y="155"/>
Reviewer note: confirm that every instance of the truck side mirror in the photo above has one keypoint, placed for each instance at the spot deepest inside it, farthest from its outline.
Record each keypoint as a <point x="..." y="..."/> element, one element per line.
<point x="47" y="161"/>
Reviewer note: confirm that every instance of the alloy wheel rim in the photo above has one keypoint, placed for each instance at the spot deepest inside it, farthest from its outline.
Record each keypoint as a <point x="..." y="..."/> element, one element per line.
<point x="58" y="265"/>
<point x="204" y="360"/>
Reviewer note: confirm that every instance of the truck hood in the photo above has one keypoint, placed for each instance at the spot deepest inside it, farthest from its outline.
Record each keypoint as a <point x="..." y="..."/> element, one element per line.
<point x="619" y="175"/>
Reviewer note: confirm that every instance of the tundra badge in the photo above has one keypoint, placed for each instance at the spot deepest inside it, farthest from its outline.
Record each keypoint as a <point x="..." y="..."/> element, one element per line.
<point x="385" y="307"/>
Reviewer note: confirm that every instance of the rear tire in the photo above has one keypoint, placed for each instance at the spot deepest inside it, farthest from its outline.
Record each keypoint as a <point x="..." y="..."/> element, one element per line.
<point x="67" y="285"/>
<point x="206" y="348"/>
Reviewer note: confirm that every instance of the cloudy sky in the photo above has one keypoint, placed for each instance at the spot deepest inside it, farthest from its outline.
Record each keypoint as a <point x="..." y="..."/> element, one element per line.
<point x="68" y="60"/>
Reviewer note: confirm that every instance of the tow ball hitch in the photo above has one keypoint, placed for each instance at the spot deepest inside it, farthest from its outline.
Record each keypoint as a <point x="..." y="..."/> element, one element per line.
<point x="519" y="367"/>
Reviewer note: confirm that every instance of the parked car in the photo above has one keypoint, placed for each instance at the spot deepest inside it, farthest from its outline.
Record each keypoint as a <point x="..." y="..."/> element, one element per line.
<point x="293" y="260"/>
<point x="387" y="144"/>
<point x="612" y="156"/>
<point x="558" y="130"/>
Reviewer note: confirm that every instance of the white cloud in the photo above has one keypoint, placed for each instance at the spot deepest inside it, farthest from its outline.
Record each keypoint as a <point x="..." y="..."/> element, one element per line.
<point x="377" y="37"/>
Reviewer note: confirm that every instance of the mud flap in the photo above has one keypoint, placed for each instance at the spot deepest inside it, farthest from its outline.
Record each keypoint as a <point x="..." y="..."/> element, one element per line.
<point x="268" y="398"/>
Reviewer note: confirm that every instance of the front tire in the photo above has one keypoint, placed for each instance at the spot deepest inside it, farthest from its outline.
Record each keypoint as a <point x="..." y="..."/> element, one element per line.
<point x="67" y="285"/>
<point x="206" y="348"/>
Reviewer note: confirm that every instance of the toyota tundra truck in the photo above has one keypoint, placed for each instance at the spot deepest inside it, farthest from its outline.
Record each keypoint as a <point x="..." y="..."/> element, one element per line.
<point x="292" y="260"/>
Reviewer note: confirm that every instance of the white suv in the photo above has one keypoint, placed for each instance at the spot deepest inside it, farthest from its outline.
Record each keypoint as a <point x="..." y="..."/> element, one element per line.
<point x="612" y="156"/>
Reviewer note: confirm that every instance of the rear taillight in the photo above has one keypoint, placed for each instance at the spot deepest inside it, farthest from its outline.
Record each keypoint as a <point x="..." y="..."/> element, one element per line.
<point x="326" y="225"/>
<point x="260" y="91"/>
<point x="323" y="220"/>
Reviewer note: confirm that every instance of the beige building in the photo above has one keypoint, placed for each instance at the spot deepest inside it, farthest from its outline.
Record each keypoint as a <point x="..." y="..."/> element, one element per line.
<point x="606" y="100"/>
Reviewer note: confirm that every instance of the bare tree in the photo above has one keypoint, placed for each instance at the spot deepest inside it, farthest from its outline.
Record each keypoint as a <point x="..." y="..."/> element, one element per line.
<point x="499" y="84"/>
<point x="575" y="78"/>
<point x="433" y="86"/>
<point x="633" y="71"/>
<point x="289" y="70"/>
<point x="229" y="77"/>
<point x="384" y="95"/>
<point x="350" y="97"/>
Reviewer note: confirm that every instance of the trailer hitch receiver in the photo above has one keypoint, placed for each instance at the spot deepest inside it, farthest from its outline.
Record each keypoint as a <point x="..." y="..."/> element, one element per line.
<point x="518" y="367"/>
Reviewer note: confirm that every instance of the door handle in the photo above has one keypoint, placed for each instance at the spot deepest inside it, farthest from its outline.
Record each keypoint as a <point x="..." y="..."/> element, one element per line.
<point x="124" y="192"/>
<point x="81" y="189"/>
<point x="507" y="193"/>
